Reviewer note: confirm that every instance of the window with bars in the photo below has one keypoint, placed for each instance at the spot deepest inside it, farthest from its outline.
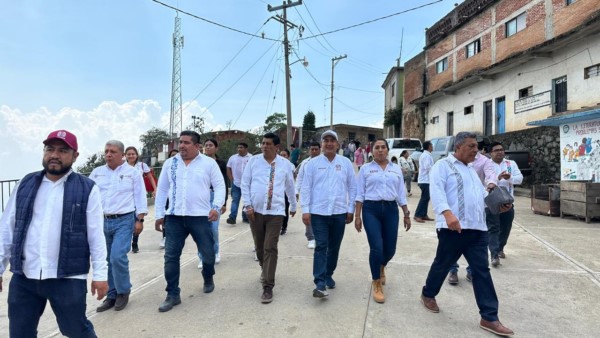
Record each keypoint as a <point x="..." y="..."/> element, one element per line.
<point x="525" y="92"/>
<point x="591" y="71"/>
<point x="516" y="25"/>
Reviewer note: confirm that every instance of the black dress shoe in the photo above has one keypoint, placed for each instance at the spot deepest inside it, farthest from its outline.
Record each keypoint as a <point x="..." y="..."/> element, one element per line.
<point x="121" y="301"/>
<point x="107" y="304"/>
<point x="169" y="302"/>
<point x="135" y="248"/>
<point x="209" y="285"/>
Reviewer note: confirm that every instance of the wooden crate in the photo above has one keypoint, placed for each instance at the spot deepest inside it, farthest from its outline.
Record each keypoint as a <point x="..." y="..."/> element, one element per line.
<point x="545" y="199"/>
<point x="580" y="198"/>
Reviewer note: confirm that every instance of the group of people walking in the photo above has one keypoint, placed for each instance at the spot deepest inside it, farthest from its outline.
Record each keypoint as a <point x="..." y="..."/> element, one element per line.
<point x="91" y="221"/>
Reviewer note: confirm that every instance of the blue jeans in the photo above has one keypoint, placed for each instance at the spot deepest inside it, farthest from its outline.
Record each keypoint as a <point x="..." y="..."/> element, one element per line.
<point x="178" y="228"/>
<point x="473" y="245"/>
<point x="236" y="196"/>
<point x="118" y="233"/>
<point x="423" y="201"/>
<point x="214" y="226"/>
<point x="381" y="225"/>
<point x="27" y="300"/>
<point x="329" y="232"/>
<point x="455" y="266"/>
<point x="499" y="229"/>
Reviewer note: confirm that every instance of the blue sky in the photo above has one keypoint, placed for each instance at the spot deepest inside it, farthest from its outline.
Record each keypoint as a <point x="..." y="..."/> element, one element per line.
<point x="102" y="69"/>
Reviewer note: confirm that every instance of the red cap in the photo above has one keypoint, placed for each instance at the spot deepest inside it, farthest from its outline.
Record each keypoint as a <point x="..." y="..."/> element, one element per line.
<point x="65" y="136"/>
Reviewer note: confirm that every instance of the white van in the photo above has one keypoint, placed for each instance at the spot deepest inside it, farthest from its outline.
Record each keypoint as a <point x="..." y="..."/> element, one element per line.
<point x="398" y="145"/>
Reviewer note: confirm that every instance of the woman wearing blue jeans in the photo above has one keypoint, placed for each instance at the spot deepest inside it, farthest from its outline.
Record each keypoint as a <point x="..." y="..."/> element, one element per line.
<point x="380" y="190"/>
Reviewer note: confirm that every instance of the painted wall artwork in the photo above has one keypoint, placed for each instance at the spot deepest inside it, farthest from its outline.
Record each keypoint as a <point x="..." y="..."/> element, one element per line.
<point x="580" y="151"/>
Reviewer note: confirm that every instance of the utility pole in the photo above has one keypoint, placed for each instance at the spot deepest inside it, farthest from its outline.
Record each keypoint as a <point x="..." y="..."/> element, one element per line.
<point x="286" y="44"/>
<point x="334" y="62"/>
<point x="176" y="120"/>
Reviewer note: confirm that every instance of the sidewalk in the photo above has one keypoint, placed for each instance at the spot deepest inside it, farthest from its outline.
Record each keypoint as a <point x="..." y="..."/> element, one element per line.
<point x="548" y="286"/>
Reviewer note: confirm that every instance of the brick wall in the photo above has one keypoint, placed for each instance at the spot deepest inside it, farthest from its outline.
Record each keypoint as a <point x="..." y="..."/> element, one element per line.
<point x="507" y="7"/>
<point x="567" y="17"/>
<point x="533" y="34"/>
<point x="476" y="62"/>
<point x="437" y="81"/>
<point x="474" y="27"/>
<point x="439" y="49"/>
<point x="413" y="79"/>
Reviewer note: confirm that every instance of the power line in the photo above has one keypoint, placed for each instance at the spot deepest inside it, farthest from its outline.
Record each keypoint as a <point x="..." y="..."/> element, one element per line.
<point x="370" y="21"/>
<point x="360" y="90"/>
<point x="214" y="23"/>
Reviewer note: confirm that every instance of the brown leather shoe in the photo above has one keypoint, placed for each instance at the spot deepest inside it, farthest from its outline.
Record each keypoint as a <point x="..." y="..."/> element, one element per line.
<point x="453" y="278"/>
<point x="267" y="295"/>
<point x="428" y="219"/>
<point x="121" y="301"/>
<point x="495" y="327"/>
<point x="430" y="304"/>
<point x="378" y="295"/>
<point x="419" y="219"/>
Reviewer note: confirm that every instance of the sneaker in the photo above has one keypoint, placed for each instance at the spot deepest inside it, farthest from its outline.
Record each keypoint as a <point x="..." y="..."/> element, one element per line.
<point x="217" y="258"/>
<point x="200" y="265"/>
<point x="230" y="221"/>
<point x="453" y="278"/>
<point x="495" y="262"/>
<point x="501" y="255"/>
<point x="330" y="283"/>
<point x="162" y="243"/>
<point x="135" y="248"/>
<point x="320" y="293"/>
<point x="267" y="295"/>
<point x="312" y="244"/>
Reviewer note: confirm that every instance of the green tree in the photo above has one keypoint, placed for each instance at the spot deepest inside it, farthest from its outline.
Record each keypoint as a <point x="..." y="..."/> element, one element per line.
<point x="309" y="121"/>
<point x="393" y="117"/>
<point x="274" y="122"/>
<point x="92" y="162"/>
<point x="153" y="139"/>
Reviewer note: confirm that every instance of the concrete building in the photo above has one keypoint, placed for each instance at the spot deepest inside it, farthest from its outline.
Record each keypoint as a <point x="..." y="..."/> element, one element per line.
<point x="491" y="66"/>
<point x="348" y="132"/>
<point x="393" y="87"/>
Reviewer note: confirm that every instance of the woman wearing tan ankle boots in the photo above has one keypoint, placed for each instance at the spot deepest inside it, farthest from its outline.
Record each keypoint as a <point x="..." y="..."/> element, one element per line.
<point x="380" y="190"/>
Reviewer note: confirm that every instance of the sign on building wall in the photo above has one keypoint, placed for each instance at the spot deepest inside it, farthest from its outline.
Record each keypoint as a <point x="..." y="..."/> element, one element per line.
<point x="533" y="101"/>
<point x="580" y="151"/>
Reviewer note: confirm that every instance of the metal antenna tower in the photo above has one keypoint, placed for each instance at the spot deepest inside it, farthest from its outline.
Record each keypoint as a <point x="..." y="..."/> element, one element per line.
<point x="176" y="120"/>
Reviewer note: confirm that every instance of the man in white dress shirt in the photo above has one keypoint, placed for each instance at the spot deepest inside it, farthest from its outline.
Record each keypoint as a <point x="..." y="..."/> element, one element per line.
<point x="508" y="175"/>
<point x="314" y="150"/>
<point x="51" y="228"/>
<point x="267" y="179"/>
<point x="186" y="179"/>
<point x="235" y="170"/>
<point x="425" y="164"/>
<point x="457" y="196"/>
<point x="327" y="199"/>
<point x="124" y="204"/>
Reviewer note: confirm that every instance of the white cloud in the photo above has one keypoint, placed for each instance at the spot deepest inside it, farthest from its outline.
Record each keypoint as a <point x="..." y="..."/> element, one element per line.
<point x="22" y="133"/>
<point x="376" y="124"/>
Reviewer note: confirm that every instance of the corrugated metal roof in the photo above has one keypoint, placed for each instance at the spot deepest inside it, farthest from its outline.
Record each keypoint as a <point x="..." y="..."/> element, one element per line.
<point x="580" y="116"/>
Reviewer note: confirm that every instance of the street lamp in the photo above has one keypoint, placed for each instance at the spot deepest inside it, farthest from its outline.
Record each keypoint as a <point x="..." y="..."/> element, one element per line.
<point x="288" y="76"/>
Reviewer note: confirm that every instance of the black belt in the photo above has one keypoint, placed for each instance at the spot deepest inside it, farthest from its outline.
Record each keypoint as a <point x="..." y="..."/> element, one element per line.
<point x="115" y="216"/>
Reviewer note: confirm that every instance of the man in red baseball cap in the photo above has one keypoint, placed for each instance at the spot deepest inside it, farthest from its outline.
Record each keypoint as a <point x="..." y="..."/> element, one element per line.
<point x="63" y="210"/>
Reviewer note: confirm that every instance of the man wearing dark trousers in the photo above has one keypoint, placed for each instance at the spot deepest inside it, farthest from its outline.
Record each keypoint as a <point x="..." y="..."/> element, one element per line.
<point x="186" y="179"/>
<point x="51" y="230"/>
<point x="458" y="201"/>
<point x="425" y="164"/>
<point x="235" y="169"/>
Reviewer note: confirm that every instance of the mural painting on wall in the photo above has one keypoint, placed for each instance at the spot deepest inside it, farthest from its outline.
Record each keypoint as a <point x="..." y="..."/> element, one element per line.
<point x="580" y="151"/>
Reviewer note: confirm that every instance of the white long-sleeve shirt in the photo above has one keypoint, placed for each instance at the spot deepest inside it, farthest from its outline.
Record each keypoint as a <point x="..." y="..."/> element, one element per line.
<point x="264" y="185"/>
<point x="42" y="242"/>
<point x="328" y="187"/>
<point x="516" y="177"/>
<point x="425" y="165"/>
<point x="122" y="190"/>
<point x="300" y="176"/>
<point x="444" y="193"/>
<point x="188" y="187"/>
<point x="376" y="184"/>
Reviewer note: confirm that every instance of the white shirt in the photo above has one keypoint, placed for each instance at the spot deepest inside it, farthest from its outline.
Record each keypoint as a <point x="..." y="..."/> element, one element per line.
<point x="406" y="164"/>
<point x="257" y="181"/>
<point x="42" y="242"/>
<point x="425" y="165"/>
<point x="328" y="187"/>
<point x="516" y="177"/>
<point x="142" y="167"/>
<point x="300" y="176"/>
<point x="188" y="187"/>
<point x="443" y="190"/>
<point x="376" y="184"/>
<point x="237" y="163"/>
<point x="122" y="189"/>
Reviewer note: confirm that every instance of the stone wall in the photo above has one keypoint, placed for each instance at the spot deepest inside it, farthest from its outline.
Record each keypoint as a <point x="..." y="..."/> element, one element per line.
<point x="544" y="145"/>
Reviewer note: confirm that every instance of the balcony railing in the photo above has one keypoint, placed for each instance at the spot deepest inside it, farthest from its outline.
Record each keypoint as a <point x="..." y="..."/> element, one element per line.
<point x="6" y="188"/>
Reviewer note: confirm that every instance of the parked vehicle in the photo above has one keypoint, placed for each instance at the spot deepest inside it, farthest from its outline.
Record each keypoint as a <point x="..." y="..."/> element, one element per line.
<point x="398" y="145"/>
<point x="443" y="146"/>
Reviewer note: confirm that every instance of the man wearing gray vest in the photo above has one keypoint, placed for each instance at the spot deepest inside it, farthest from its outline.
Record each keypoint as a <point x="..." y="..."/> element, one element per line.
<point x="50" y="231"/>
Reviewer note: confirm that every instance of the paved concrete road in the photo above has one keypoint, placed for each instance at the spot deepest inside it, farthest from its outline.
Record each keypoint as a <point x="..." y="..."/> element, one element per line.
<point x="548" y="286"/>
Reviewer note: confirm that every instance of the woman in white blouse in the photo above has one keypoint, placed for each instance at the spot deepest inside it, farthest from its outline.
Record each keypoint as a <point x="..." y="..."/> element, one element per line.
<point x="132" y="156"/>
<point x="380" y="190"/>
